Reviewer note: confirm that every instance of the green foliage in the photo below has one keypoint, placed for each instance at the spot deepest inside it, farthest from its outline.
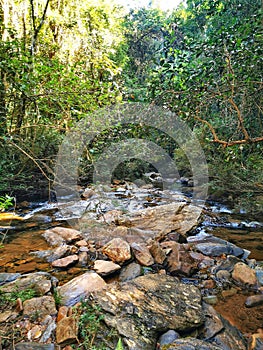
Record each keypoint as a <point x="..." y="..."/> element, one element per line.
<point x="6" y="201"/>
<point x="10" y="298"/>
<point x="119" y="345"/>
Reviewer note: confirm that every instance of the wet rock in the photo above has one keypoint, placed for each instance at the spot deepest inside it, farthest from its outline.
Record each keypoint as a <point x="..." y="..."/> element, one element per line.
<point x="34" y="346"/>
<point x="104" y="268"/>
<point x="8" y="277"/>
<point x="179" y="259"/>
<point x="168" y="337"/>
<point x="80" y="287"/>
<point x="254" y="300"/>
<point x="67" y="330"/>
<point x="40" y="282"/>
<point x="163" y="219"/>
<point x="54" y="254"/>
<point x="190" y="344"/>
<point x="220" y="332"/>
<point x="88" y="193"/>
<point x="117" y="250"/>
<point x="142" y="308"/>
<point x="244" y="274"/>
<point x="40" y="307"/>
<point x="217" y="249"/>
<point x="50" y="326"/>
<point x="214" y="246"/>
<point x="65" y="262"/>
<point x="158" y="253"/>
<point x="142" y="254"/>
<point x="130" y="272"/>
<point x="61" y="235"/>
<point x="228" y="264"/>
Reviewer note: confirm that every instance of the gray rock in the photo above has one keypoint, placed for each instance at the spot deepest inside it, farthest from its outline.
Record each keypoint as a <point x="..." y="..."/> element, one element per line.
<point x="34" y="346"/>
<point x="130" y="272"/>
<point x="8" y="277"/>
<point x="40" y="282"/>
<point x="168" y="337"/>
<point x="190" y="344"/>
<point x="254" y="300"/>
<point x="80" y="287"/>
<point x="54" y="254"/>
<point x="103" y="267"/>
<point x="148" y="305"/>
<point x="217" y="249"/>
<point x="227" y="265"/>
<point x="50" y="325"/>
<point x="259" y="274"/>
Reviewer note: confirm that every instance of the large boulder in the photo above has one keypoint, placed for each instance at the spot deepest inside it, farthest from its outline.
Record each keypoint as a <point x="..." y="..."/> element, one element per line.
<point x="143" y="308"/>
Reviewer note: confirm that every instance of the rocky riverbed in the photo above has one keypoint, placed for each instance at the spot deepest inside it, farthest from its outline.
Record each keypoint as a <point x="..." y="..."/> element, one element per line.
<point x="138" y="269"/>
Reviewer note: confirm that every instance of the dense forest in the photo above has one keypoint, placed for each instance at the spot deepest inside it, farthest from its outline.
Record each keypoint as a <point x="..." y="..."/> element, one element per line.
<point x="61" y="60"/>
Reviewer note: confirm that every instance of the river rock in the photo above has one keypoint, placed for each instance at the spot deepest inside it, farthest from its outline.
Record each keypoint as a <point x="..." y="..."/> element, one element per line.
<point x="50" y="325"/>
<point x="40" y="282"/>
<point x="142" y="254"/>
<point x="8" y="277"/>
<point x="130" y="272"/>
<point x="117" y="250"/>
<point x="54" y="254"/>
<point x="179" y="259"/>
<point x="190" y="344"/>
<point x="65" y="262"/>
<point x="158" y="253"/>
<point x="254" y="300"/>
<point x="104" y="268"/>
<point x="61" y="235"/>
<point x="214" y="246"/>
<point x="67" y="330"/>
<point x="41" y="306"/>
<point x="259" y="274"/>
<point x="34" y="346"/>
<point x="244" y="274"/>
<point x="168" y="338"/>
<point x="163" y="219"/>
<point x="143" y="308"/>
<point x="220" y="332"/>
<point x="80" y="287"/>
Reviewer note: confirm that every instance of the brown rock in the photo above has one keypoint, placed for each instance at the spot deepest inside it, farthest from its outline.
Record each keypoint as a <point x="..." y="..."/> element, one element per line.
<point x="179" y="260"/>
<point x="80" y="287"/>
<point x="67" y="330"/>
<point x="65" y="262"/>
<point x="41" y="306"/>
<point x="81" y="243"/>
<point x="158" y="253"/>
<point x="59" y="235"/>
<point x="117" y="250"/>
<point x="104" y="268"/>
<point x="244" y="274"/>
<point x="142" y="254"/>
<point x="62" y="313"/>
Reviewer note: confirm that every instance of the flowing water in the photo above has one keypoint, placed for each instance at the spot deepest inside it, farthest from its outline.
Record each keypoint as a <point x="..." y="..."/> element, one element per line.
<point x="21" y="238"/>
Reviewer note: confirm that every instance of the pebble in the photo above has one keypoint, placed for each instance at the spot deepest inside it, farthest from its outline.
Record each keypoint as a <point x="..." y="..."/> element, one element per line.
<point x="168" y="337"/>
<point x="254" y="300"/>
<point x="211" y="299"/>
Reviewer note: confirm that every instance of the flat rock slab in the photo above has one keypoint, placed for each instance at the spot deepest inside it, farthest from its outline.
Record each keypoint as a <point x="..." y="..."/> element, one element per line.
<point x="41" y="306"/>
<point x="8" y="277"/>
<point x="104" y="268"/>
<point x="163" y="219"/>
<point x="143" y="308"/>
<point x="61" y="235"/>
<point x="80" y="287"/>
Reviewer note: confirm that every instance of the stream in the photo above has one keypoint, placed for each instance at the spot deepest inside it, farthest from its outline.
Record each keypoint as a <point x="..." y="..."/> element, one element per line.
<point x="20" y="239"/>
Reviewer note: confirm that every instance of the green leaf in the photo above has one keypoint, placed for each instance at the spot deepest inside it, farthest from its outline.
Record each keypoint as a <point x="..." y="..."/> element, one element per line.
<point x="119" y="345"/>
